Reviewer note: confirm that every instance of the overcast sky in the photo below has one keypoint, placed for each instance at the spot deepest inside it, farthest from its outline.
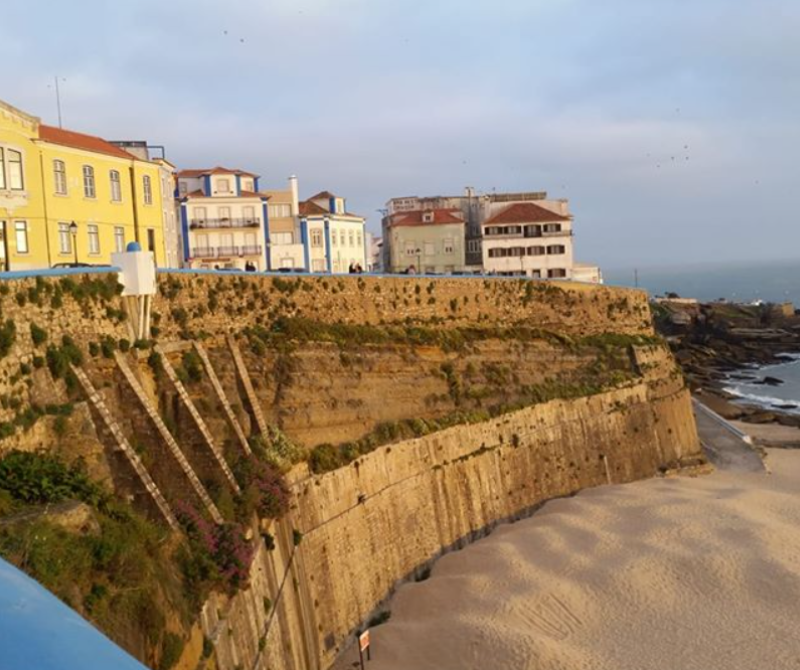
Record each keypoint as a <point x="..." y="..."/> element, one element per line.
<point x="673" y="126"/>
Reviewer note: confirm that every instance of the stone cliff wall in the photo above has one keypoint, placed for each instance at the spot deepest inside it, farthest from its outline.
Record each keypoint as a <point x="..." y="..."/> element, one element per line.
<point x="385" y="517"/>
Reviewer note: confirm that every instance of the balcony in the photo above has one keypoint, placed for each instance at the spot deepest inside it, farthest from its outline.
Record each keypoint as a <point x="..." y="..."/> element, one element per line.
<point x="227" y="252"/>
<point x="205" y="224"/>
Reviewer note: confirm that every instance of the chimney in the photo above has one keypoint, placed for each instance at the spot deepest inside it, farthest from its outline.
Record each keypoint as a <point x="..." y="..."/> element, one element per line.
<point x="469" y="192"/>
<point x="295" y="196"/>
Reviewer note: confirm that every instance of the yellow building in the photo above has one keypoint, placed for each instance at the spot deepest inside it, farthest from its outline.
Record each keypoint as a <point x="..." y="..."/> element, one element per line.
<point x="67" y="197"/>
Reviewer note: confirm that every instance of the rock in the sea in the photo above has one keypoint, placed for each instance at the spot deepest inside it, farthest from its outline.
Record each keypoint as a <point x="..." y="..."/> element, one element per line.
<point x="770" y="381"/>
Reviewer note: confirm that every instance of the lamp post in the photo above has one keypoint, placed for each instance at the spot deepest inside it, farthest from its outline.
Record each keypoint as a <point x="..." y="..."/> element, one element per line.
<point x="73" y="231"/>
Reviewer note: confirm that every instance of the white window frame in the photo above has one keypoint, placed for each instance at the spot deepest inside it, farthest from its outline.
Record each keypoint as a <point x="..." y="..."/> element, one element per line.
<point x="116" y="185"/>
<point x="11" y="175"/>
<point x="64" y="239"/>
<point x="147" y="190"/>
<point x="316" y="237"/>
<point x="89" y="187"/>
<point x="119" y="239"/>
<point x="21" y="235"/>
<point x="60" y="176"/>
<point x="93" y="233"/>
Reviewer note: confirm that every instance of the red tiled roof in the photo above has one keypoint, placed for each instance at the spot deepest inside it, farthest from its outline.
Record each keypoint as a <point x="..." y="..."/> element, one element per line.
<point x="525" y="212"/>
<point x="327" y="195"/>
<point x="415" y="218"/>
<point x="309" y="208"/>
<point x="69" y="138"/>
<point x="215" y="170"/>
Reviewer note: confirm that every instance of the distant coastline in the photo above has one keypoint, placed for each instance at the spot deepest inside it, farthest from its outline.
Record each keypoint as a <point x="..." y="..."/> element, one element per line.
<point x="776" y="281"/>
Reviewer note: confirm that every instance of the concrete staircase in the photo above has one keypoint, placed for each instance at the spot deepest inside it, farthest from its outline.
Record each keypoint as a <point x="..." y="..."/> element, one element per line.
<point x="123" y="446"/>
<point x="244" y="376"/>
<point x="168" y="439"/>
<point x="198" y="420"/>
<point x="223" y="399"/>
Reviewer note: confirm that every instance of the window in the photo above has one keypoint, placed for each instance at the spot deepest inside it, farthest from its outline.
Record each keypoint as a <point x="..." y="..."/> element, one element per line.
<point x="88" y="182"/>
<point x="64" y="239"/>
<point x="497" y="253"/>
<point x="94" y="239"/>
<point x="411" y="249"/>
<point x="558" y="273"/>
<point x="247" y="184"/>
<point x="552" y="228"/>
<point x="536" y="251"/>
<point x="430" y="248"/>
<point x="119" y="239"/>
<point x="223" y="185"/>
<point x="283" y="238"/>
<point x="449" y="245"/>
<point x="316" y="237"/>
<point x="116" y="187"/>
<point x="318" y="265"/>
<point x="334" y="239"/>
<point x="225" y="213"/>
<point x="15" y="180"/>
<point x="556" y="249"/>
<point x="148" y="190"/>
<point x="183" y="189"/>
<point x="358" y="240"/>
<point x="536" y="274"/>
<point x="280" y="211"/>
<point x="249" y="214"/>
<point x="199" y="214"/>
<point x="151" y="240"/>
<point x="533" y="231"/>
<point x="59" y="177"/>
<point x="21" y="235"/>
<point x="350" y="237"/>
<point x="494" y="230"/>
<point x="2" y="169"/>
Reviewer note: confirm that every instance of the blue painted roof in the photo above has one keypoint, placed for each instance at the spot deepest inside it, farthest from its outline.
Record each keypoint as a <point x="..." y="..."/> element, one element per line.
<point x="39" y="632"/>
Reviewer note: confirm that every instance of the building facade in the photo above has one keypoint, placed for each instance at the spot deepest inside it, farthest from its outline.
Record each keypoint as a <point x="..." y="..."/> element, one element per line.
<point x="333" y="238"/>
<point x="286" y="250"/>
<point x="224" y="219"/>
<point x="68" y="197"/>
<point x="431" y="241"/>
<point x="499" y="248"/>
<point x="529" y="240"/>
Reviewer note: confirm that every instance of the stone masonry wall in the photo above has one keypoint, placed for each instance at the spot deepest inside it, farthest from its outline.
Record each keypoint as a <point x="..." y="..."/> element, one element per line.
<point x="388" y="515"/>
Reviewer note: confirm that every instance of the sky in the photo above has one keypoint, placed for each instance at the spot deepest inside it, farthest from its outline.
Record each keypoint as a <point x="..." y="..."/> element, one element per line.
<point x="672" y="126"/>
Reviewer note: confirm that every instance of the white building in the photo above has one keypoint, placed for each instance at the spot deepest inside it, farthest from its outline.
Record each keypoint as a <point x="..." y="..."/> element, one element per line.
<point x="529" y="239"/>
<point x="333" y="238"/>
<point x="223" y="219"/>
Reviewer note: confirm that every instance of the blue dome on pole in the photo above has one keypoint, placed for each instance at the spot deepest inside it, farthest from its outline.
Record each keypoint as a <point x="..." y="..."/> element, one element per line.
<point x="133" y="246"/>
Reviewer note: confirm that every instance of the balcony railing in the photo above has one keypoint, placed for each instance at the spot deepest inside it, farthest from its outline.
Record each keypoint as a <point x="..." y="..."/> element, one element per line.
<point x="227" y="252"/>
<point x="528" y="234"/>
<point x="244" y="222"/>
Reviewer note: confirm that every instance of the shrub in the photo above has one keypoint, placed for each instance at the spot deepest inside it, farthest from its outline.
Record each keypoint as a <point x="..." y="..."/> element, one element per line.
<point x="124" y="345"/>
<point x="38" y="335"/>
<point x="60" y="358"/>
<point x="297" y="537"/>
<point x="324" y="458"/>
<point x="171" y="650"/>
<point x="37" y="478"/>
<point x="191" y="367"/>
<point x="8" y="335"/>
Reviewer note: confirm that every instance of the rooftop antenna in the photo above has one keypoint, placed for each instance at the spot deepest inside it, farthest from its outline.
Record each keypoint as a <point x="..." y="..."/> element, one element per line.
<point x="58" y="99"/>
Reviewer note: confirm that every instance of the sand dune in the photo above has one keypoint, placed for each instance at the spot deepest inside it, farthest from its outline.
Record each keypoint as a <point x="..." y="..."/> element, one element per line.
<point x="663" y="574"/>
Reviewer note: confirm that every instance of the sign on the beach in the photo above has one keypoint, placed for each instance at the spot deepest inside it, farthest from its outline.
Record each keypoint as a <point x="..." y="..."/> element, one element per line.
<point x="363" y="645"/>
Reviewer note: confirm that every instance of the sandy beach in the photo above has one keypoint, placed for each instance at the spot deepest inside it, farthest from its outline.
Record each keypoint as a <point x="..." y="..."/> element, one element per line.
<point x="684" y="572"/>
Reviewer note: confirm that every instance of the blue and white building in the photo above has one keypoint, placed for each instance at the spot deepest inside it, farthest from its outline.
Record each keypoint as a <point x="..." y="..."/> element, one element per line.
<point x="224" y="219"/>
<point x="333" y="238"/>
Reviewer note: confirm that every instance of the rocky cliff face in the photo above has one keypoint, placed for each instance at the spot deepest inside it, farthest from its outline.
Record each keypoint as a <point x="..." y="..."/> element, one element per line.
<point x="441" y="407"/>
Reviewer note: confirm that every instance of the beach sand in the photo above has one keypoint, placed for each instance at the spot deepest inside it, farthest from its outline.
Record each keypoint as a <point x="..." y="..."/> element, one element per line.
<point x="677" y="573"/>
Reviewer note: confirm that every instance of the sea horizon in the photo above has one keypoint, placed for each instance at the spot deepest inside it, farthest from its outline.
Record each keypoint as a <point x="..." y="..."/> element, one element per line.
<point x="771" y="281"/>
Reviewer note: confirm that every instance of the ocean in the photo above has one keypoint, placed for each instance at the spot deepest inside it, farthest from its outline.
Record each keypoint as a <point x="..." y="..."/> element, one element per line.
<point x="777" y="281"/>
<point x="769" y="397"/>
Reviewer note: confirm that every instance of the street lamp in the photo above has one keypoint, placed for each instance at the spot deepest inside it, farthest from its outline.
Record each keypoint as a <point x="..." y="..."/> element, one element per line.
<point x="73" y="231"/>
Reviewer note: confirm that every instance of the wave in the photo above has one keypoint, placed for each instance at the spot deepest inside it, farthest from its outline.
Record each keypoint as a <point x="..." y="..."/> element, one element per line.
<point x="765" y="401"/>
